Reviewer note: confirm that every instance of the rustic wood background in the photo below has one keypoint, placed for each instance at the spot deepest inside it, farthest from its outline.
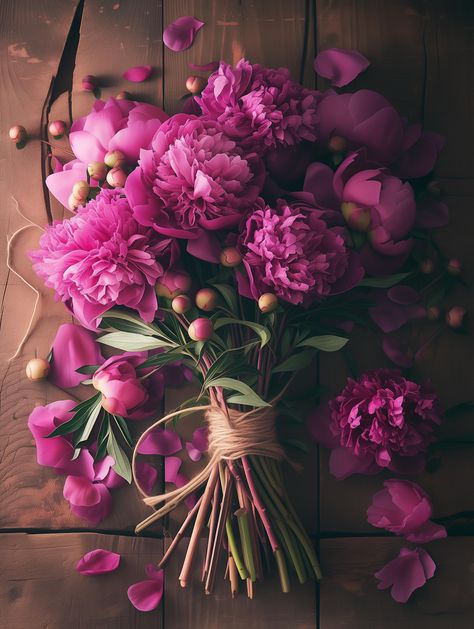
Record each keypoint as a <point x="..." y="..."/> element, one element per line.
<point x="422" y="58"/>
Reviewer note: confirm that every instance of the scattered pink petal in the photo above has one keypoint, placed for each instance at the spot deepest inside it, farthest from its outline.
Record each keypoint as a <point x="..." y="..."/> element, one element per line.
<point x="180" y="34"/>
<point x="137" y="74"/>
<point x="340" y="66"/>
<point x="98" y="512"/>
<point x="162" y="442"/>
<point x="428" y="532"/>
<point x="205" y="67"/>
<point x="172" y="467"/>
<point x="198" y="444"/>
<point x="406" y="573"/>
<point x="98" y="561"/>
<point x="73" y="347"/>
<point x="146" y="476"/>
<point x="81" y="491"/>
<point x="146" y="595"/>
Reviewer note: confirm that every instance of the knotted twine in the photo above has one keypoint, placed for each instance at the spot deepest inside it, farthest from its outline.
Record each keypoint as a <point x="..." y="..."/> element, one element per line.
<point x="232" y="435"/>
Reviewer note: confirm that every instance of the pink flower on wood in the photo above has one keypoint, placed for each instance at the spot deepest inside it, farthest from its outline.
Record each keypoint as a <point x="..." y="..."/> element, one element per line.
<point x="406" y="573"/>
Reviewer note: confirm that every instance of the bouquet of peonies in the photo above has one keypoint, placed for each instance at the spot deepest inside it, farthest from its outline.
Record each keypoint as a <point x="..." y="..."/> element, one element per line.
<point x="230" y="244"/>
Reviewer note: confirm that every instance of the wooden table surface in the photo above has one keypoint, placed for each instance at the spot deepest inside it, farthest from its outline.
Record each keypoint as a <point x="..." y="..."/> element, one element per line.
<point x="422" y="58"/>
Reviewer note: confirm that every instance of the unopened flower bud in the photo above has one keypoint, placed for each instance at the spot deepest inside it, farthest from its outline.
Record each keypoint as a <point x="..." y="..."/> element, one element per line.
<point x="114" y="159"/>
<point x="97" y="170"/>
<point x="195" y="84"/>
<point x="172" y="283"/>
<point x="57" y="129"/>
<point x="206" y="299"/>
<point x="455" y="316"/>
<point x="427" y="266"/>
<point x="18" y="134"/>
<point x="201" y="329"/>
<point x="73" y="202"/>
<point x="433" y="313"/>
<point x="357" y="218"/>
<point x="123" y="95"/>
<point x="434" y="189"/>
<point x="230" y="257"/>
<point x="111" y="405"/>
<point x="116" y="178"/>
<point x="337" y="144"/>
<point x="181" y="304"/>
<point x="89" y="83"/>
<point x="81" y="190"/>
<point x="37" y="369"/>
<point x="454" y="266"/>
<point x="267" y="302"/>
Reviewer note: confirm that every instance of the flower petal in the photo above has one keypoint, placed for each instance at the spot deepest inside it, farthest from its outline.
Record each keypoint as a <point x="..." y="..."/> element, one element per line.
<point x="406" y="573"/>
<point x="137" y="74"/>
<point x="98" y="561"/>
<point x="162" y="442"/>
<point x="427" y="533"/>
<point x="204" y="67"/>
<point x="180" y="34"/>
<point x="98" y="512"/>
<point x="73" y="347"/>
<point x="81" y="491"/>
<point x="172" y="466"/>
<point x="146" y="476"/>
<point x="146" y="595"/>
<point x="340" y="66"/>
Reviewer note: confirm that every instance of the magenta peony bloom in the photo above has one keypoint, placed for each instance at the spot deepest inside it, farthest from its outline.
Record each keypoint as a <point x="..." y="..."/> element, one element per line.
<point x="194" y="179"/>
<point x="102" y="257"/>
<point x="404" y="508"/>
<point x="382" y="420"/>
<point x="373" y="203"/>
<point x="367" y="119"/>
<point x="123" y="125"/>
<point x="406" y="573"/>
<point x="289" y="250"/>
<point x="123" y="391"/>
<point x="260" y="107"/>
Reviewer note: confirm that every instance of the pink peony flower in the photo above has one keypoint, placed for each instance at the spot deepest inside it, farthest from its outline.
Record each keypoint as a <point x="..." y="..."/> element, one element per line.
<point x="289" y="250"/>
<point x="382" y="420"/>
<point x="403" y="508"/>
<point x="101" y="258"/>
<point x="377" y="205"/>
<point x="123" y="391"/>
<point x="406" y="573"/>
<point x="194" y="179"/>
<point x="260" y="107"/>
<point x="367" y="119"/>
<point x="121" y="124"/>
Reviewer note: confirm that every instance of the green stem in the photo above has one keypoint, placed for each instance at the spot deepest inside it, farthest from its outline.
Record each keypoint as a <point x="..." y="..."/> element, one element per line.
<point x="282" y="571"/>
<point x="234" y="550"/>
<point x="245" y="538"/>
<point x="291" y="550"/>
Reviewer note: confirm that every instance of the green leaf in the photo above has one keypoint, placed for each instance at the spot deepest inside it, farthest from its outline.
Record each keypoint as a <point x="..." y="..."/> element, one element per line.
<point x="102" y="438"/>
<point x="122" y="464"/>
<point x="229" y="295"/>
<point x="260" y="330"/>
<point x="159" y="360"/>
<point x="88" y="369"/>
<point x="325" y="342"/>
<point x="383" y="282"/>
<point x="295" y="362"/>
<point x="248" y="395"/>
<point x="124" y="431"/>
<point x="81" y="414"/>
<point x="86" y="430"/>
<point x="126" y="322"/>
<point x="130" y="342"/>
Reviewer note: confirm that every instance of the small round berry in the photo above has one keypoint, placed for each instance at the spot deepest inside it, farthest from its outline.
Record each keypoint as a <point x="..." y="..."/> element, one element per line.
<point x="454" y="266"/>
<point x="57" y="129"/>
<point x="37" y="369"/>
<point x="18" y="134"/>
<point x="73" y="202"/>
<point x="207" y="299"/>
<point x="114" y="159"/>
<point x="89" y="83"/>
<point x="195" y="84"/>
<point x="267" y="302"/>
<point x="97" y="170"/>
<point x="201" y="329"/>
<point x="181" y="304"/>
<point x="123" y="95"/>
<point x="230" y="257"/>
<point x="116" y="178"/>
<point x="455" y="316"/>
<point x="81" y="190"/>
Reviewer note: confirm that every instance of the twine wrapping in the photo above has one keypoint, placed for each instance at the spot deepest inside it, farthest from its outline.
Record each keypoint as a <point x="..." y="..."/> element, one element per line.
<point x="232" y="435"/>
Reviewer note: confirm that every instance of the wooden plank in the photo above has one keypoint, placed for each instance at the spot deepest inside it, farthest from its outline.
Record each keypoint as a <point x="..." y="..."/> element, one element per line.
<point x="269" y="609"/>
<point x="41" y="588"/>
<point x="350" y="599"/>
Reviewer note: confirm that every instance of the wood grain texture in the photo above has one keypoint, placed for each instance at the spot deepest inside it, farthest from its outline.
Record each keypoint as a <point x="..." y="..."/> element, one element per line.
<point x="350" y="600"/>
<point x="40" y="587"/>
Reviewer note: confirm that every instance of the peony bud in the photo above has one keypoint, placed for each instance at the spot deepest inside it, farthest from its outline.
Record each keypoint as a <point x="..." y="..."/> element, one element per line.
<point x="337" y="144"/>
<point x="123" y="95"/>
<point x="37" y="369"/>
<point x="173" y="283"/>
<point x="230" y="257"/>
<point x="18" y="134"/>
<point x="114" y="159"/>
<point x="73" y="202"/>
<point x="455" y="316"/>
<point x="201" y="329"/>
<point x="57" y="129"/>
<point x="357" y="218"/>
<point x="454" y="266"/>
<point x="97" y="170"/>
<point x="206" y="299"/>
<point x="181" y="304"/>
<point x="89" y="83"/>
<point x="427" y="266"/>
<point x="267" y="302"/>
<point x="81" y="190"/>
<point x="433" y="313"/>
<point x="116" y="178"/>
<point x="195" y="84"/>
<point x="111" y="405"/>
